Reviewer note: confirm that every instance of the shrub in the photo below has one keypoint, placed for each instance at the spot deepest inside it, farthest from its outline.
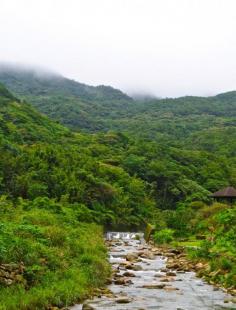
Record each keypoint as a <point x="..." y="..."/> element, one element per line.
<point x="164" y="236"/>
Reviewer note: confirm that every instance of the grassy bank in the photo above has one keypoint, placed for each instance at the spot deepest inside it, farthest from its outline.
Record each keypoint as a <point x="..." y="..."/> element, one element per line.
<point x="216" y="225"/>
<point x="62" y="258"/>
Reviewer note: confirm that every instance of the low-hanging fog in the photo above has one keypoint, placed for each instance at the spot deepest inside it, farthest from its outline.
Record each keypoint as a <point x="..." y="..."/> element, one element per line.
<point x="157" y="47"/>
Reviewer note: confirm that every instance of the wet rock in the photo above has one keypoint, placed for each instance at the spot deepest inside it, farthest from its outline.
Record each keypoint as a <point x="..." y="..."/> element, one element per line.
<point x="122" y="281"/>
<point x="128" y="274"/>
<point x="171" y="273"/>
<point x="170" y="255"/>
<point x="143" y="247"/>
<point x="147" y="255"/>
<point x="171" y="289"/>
<point x="117" y="250"/>
<point x="108" y="293"/>
<point x="135" y="267"/>
<point x="166" y="279"/>
<point x="125" y="264"/>
<point x="176" y="251"/>
<point x="87" y="307"/>
<point x="227" y="300"/>
<point x="164" y="270"/>
<point x="233" y="292"/>
<point x="117" y="275"/>
<point x="173" y="266"/>
<point x="154" y="286"/>
<point x="123" y="300"/>
<point x="131" y="257"/>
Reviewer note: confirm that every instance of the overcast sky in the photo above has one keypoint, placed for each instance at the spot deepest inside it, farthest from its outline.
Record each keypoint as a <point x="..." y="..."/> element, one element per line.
<point x="163" y="47"/>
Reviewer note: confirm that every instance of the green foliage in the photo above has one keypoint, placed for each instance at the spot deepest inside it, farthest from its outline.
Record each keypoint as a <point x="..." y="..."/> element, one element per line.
<point x="59" y="253"/>
<point x="164" y="236"/>
<point x="76" y="105"/>
<point x="55" y="184"/>
<point x="218" y="223"/>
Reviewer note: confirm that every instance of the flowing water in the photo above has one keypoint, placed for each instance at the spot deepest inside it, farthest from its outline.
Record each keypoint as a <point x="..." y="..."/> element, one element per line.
<point x="185" y="292"/>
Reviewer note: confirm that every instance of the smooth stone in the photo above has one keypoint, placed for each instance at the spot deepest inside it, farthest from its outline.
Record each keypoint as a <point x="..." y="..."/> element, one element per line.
<point x="128" y="274"/>
<point x="154" y="286"/>
<point x="171" y="273"/>
<point x="87" y="307"/>
<point x="123" y="300"/>
<point x="171" y="289"/>
<point x="135" y="267"/>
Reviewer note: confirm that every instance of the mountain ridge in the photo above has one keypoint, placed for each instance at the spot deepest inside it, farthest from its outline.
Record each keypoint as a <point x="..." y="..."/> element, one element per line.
<point x="102" y="108"/>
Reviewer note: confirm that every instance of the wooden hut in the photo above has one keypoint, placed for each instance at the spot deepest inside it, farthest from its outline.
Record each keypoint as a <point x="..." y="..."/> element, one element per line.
<point x="227" y="194"/>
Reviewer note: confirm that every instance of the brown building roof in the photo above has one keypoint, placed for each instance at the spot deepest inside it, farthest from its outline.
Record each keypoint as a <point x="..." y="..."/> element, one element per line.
<point x="228" y="192"/>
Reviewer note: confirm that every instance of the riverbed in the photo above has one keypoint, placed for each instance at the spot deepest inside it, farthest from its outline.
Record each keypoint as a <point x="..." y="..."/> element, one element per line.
<point x="146" y="284"/>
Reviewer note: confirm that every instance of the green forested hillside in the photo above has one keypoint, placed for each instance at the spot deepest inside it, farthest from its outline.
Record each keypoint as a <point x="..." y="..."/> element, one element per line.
<point x="75" y="105"/>
<point x="40" y="158"/>
<point x="20" y="123"/>
<point x="159" y="162"/>
<point x="205" y="120"/>
<point x="53" y="191"/>
<point x="176" y="147"/>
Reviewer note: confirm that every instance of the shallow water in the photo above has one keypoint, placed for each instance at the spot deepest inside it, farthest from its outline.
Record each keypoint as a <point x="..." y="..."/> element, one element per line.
<point x="193" y="293"/>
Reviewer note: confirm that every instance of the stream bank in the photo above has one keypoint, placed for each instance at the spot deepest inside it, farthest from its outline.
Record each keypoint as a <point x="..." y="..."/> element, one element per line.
<point x="146" y="278"/>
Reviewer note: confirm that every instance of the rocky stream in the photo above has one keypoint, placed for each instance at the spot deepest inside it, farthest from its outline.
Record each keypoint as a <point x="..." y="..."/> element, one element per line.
<point x="145" y="277"/>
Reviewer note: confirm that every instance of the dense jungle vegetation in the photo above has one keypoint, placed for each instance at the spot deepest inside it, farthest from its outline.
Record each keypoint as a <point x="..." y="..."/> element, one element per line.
<point x="125" y="163"/>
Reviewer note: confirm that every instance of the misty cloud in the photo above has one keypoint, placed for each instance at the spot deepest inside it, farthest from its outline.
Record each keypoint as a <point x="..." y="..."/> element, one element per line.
<point x="161" y="47"/>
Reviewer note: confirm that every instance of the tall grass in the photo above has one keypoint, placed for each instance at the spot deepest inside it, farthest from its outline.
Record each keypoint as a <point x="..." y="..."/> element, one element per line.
<point x="64" y="259"/>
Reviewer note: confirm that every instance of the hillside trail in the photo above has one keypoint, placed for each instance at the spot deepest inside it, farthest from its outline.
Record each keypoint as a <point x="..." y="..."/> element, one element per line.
<point x="141" y="281"/>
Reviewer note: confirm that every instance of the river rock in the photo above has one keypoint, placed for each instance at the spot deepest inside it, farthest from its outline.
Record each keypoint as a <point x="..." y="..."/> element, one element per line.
<point x="233" y="292"/>
<point x="154" y="286"/>
<point x="173" y="265"/>
<point x="87" y="307"/>
<point x="170" y="273"/>
<point x="166" y="279"/>
<point x="171" y="288"/>
<point x="128" y="274"/>
<point x="131" y="257"/>
<point x="122" y="281"/>
<point x="164" y="270"/>
<point x="147" y="255"/>
<point x="170" y="255"/>
<point x="135" y="267"/>
<point x="227" y="300"/>
<point x="123" y="300"/>
<point x="125" y="264"/>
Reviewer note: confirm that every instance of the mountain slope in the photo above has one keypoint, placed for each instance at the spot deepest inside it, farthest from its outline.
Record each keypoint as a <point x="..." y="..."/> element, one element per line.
<point x="20" y="123"/>
<point x="76" y="105"/>
<point x="102" y="108"/>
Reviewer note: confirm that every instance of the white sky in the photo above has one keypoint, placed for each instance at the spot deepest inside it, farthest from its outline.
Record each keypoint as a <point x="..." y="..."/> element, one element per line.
<point x="165" y="47"/>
